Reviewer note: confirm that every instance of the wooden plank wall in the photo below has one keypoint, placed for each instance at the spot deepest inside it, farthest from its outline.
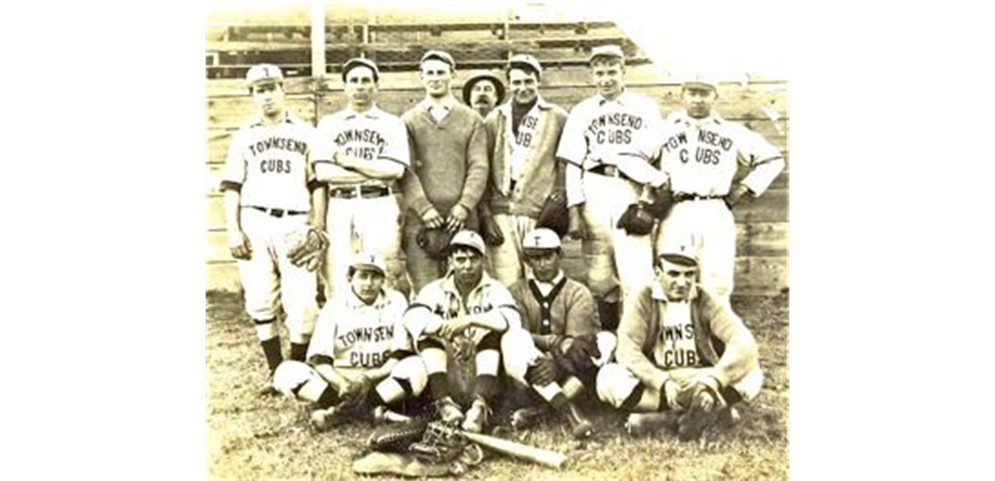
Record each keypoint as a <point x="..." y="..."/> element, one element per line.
<point x="762" y="247"/>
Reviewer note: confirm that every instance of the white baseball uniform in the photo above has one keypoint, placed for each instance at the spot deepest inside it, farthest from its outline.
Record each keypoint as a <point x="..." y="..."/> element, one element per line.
<point x="606" y="173"/>
<point x="701" y="158"/>
<point x="270" y="165"/>
<point x="363" y="216"/>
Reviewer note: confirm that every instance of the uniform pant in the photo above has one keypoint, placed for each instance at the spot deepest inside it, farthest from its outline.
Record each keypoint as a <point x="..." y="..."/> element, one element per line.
<point x="710" y="226"/>
<point x="616" y="383"/>
<point x="370" y="225"/>
<point x="506" y="260"/>
<point x="271" y="281"/>
<point x="518" y="352"/>
<point x="607" y="249"/>
<point x="406" y="380"/>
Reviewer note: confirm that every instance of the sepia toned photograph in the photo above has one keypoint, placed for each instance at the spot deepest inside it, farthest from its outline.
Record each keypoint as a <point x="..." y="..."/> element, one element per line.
<point x="496" y="240"/>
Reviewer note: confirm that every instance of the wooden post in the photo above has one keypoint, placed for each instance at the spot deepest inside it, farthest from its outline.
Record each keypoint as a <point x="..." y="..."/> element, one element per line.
<point x="318" y="41"/>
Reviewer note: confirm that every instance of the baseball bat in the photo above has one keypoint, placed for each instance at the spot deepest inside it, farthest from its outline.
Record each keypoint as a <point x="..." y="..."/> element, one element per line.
<point x="517" y="450"/>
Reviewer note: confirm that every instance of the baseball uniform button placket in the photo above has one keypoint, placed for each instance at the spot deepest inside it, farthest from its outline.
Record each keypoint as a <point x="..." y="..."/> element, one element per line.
<point x="360" y="191"/>
<point x="278" y="212"/>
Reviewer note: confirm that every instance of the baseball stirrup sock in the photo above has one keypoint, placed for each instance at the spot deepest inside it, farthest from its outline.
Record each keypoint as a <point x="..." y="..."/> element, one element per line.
<point x="298" y="351"/>
<point x="485" y="386"/>
<point x="274" y="356"/>
<point x="438" y="382"/>
<point x="328" y="398"/>
<point x="730" y="395"/>
<point x="634" y="398"/>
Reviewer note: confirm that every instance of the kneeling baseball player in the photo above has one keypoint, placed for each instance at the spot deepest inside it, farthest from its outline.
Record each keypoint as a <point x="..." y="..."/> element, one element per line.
<point x="457" y="320"/>
<point x="560" y="348"/>
<point x="359" y="342"/>
<point x="684" y="357"/>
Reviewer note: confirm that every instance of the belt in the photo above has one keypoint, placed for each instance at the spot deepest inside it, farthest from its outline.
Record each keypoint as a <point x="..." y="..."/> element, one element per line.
<point x="362" y="191"/>
<point x="278" y="212"/>
<point x="683" y="196"/>
<point x="608" y="170"/>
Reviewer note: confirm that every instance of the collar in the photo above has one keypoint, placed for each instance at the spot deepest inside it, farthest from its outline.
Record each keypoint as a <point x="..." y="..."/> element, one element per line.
<point x="541" y="104"/>
<point x="621" y="99"/>
<point x="682" y="117"/>
<point x="449" y="103"/>
<point x="556" y="280"/>
<point x="352" y="301"/>
<point x="288" y="118"/>
<point x="657" y="293"/>
<point x="449" y="283"/>
<point x="374" y="113"/>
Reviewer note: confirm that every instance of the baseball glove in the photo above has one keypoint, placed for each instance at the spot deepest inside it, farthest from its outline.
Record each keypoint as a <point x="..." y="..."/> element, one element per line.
<point x="397" y="437"/>
<point x="306" y="247"/>
<point x="354" y="395"/>
<point x="544" y="372"/>
<point x="434" y="242"/>
<point x="554" y="213"/>
<point x="636" y="220"/>
<point x="662" y="202"/>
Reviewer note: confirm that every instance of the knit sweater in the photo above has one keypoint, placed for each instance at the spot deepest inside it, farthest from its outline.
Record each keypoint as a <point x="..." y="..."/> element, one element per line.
<point x="721" y="339"/>
<point x="540" y="174"/>
<point x="572" y="312"/>
<point x="448" y="159"/>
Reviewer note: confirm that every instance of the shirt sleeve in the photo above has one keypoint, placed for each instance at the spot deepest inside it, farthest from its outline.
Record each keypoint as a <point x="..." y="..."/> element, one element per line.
<point x="421" y="313"/>
<point x="397" y="148"/>
<point x="762" y="157"/>
<point x="632" y="333"/>
<point x="581" y="314"/>
<point x="323" y="340"/>
<point x="396" y="306"/>
<point x="414" y="193"/>
<point x="478" y="167"/>
<point x="235" y="162"/>
<point x="741" y="352"/>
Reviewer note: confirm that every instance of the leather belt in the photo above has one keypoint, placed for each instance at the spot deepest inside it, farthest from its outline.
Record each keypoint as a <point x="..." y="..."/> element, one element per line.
<point x="361" y="191"/>
<point x="685" y="196"/>
<point x="278" y="212"/>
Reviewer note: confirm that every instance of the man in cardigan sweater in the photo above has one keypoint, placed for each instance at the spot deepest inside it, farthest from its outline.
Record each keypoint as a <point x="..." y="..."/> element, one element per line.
<point x="560" y="348"/>
<point x="522" y="136"/>
<point x="448" y="165"/>
<point x="683" y="355"/>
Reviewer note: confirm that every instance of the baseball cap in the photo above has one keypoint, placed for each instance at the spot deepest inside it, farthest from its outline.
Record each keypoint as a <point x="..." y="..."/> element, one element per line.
<point x="678" y="251"/>
<point x="263" y="73"/>
<point x="470" y="82"/>
<point x="541" y="238"/>
<point x="527" y="61"/>
<point x="608" y="51"/>
<point x="360" y="62"/>
<point x="439" y="55"/>
<point x="365" y="260"/>
<point x="467" y="238"/>
<point x="701" y="79"/>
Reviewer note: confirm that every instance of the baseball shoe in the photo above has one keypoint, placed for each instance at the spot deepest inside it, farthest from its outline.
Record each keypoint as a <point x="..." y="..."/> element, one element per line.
<point x="527" y="417"/>
<point x="580" y="427"/>
<point x="476" y="417"/>
<point x="325" y="419"/>
<point x="382" y="415"/>
<point x="642" y="424"/>
<point x="706" y="405"/>
<point x="449" y="411"/>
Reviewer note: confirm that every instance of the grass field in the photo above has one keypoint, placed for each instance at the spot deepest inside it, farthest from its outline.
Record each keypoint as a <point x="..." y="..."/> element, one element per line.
<point x="252" y="437"/>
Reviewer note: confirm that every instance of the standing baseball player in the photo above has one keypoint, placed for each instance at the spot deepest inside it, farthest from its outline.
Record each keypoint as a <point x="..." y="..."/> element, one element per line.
<point x="369" y="154"/>
<point x="448" y="170"/>
<point x="465" y="312"/>
<point x="361" y="358"/>
<point x="482" y="92"/>
<point x="522" y="136"/>
<point x="269" y="193"/>
<point x="684" y="357"/>
<point x="561" y="346"/>
<point x="701" y="153"/>
<point x="605" y="174"/>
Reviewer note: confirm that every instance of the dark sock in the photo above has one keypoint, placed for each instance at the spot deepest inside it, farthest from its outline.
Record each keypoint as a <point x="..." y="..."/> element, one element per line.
<point x="485" y="387"/>
<point x="328" y="398"/>
<point x="298" y="351"/>
<point x="730" y="395"/>
<point x="633" y="399"/>
<point x="609" y="315"/>
<point x="559" y="402"/>
<point x="274" y="356"/>
<point x="439" y="384"/>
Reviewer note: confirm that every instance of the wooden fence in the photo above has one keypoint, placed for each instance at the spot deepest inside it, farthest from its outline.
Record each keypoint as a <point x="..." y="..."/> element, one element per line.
<point x="762" y="246"/>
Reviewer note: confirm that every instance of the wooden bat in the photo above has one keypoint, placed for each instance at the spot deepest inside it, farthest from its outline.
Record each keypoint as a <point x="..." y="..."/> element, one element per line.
<point x="517" y="450"/>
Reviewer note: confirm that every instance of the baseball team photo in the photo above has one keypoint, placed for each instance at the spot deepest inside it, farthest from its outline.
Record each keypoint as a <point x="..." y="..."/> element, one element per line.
<point x="496" y="240"/>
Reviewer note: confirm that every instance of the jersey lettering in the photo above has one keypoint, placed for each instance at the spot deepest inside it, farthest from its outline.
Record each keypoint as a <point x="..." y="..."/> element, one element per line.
<point x="366" y="334"/>
<point x="278" y="166"/>
<point x="368" y="359"/>
<point x="680" y="358"/>
<point x="614" y="128"/>
<point x="279" y="143"/>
